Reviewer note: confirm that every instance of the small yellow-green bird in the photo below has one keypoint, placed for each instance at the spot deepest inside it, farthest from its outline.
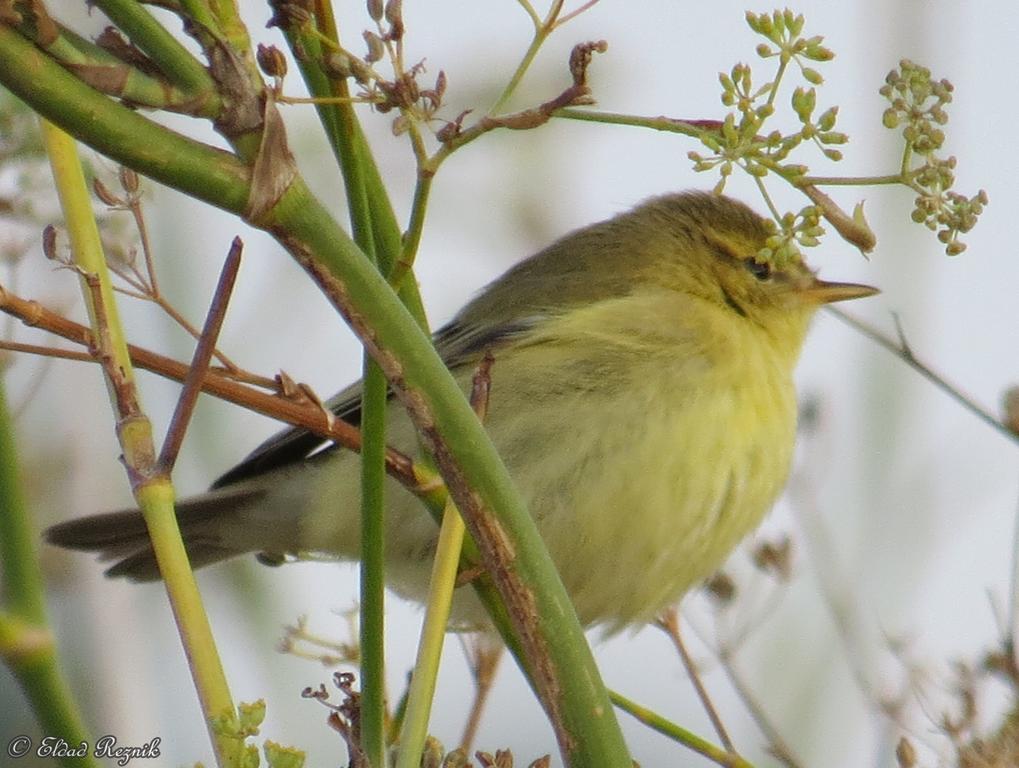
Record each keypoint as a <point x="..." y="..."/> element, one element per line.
<point x="641" y="397"/>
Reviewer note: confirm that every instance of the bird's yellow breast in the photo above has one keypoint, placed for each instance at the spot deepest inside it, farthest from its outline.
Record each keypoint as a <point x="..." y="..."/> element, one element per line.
<point x="671" y="448"/>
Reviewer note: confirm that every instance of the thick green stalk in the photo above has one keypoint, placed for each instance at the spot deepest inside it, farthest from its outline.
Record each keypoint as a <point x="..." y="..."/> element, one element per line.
<point x="173" y="59"/>
<point x="27" y="646"/>
<point x="22" y="587"/>
<point x="365" y="188"/>
<point x="201" y="15"/>
<point x="114" y="130"/>
<point x="562" y="666"/>
<point x="115" y="77"/>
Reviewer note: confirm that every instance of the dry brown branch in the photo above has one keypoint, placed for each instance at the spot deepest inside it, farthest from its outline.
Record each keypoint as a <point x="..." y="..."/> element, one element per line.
<point x="483" y="658"/>
<point x="200" y="361"/>
<point x="669" y="623"/>
<point x="219" y="383"/>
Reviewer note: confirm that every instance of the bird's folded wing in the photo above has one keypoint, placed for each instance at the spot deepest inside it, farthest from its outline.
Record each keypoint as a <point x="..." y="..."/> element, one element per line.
<point x="458" y="344"/>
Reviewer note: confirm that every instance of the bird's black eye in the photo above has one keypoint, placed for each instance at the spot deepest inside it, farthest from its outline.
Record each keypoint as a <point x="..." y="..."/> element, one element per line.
<point x="759" y="269"/>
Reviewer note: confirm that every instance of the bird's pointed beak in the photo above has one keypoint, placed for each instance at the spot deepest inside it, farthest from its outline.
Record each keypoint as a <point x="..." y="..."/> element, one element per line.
<point x="823" y="292"/>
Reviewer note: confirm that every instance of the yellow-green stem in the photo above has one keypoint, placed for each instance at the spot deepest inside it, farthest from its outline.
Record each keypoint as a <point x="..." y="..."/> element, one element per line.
<point x="412" y="240"/>
<point x="678" y="733"/>
<point x="154" y="494"/>
<point x="542" y="29"/>
<point x="156" y="502"/>
<point x="426" y="667"/>
<point x="783" y="64"/>
<point x="851" y="181"/>
<point x="540" y="34"/>
<point x="667" y="124"/>
<point x="83" y="233"/>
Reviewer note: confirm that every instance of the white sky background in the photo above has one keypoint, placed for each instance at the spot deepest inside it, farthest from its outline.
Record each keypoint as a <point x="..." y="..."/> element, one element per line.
<point x="903" y="504"/>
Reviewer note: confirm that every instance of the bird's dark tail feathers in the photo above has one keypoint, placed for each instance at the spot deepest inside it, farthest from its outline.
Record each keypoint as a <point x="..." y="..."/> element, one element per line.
<point x="122" y="536"/>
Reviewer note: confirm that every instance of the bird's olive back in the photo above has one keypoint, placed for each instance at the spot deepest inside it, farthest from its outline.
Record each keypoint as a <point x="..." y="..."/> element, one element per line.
<point x="607" y="259"/>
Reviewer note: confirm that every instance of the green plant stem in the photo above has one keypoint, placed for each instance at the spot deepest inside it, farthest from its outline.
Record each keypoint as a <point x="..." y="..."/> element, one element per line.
<point x="173" y="59"/>
<point x="153" y="491"/>
<point x="30" y="652"/>
<point x="155" y="500"/>
<point x="374" y="401"/>
<point x="373" y="552"/>
<point x="562" y="667"/>
<point x="542" y="29"/>
<point x="348" y="144"/>
<point x="783" y="64"/>
<point x="694" y="129"/>
<point x="115" y="77"/>
<point x="86" y="248"/>
<point x="199" y="13"/>
<point x="195" y="168"/>
<point x="678" y="733"/>
<point x="22" y="594"/>
<point x="907" y="159"/>
<point x="365" y="188"/>
<point x="234" y="30"/>
<point x="540" y="35"/>
<point x="426" y="666"/>
<point x="405" y="265"/>
<point x="660" y="123"/>
<point x="904" y="352"/>
<point x="27" y="645"/>
<point x="767" y="198"/>
<point x="850" y="181"/>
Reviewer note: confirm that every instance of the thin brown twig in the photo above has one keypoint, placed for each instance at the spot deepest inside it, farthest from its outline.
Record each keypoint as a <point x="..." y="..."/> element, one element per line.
<point x="101" y="345"/>
<point x="846" y="618"/>
<point x="129" y="273"/>
<point x="776" y="744"/>
<point x="146" y="286"/>
<point x="481" y="387"/>
<point x="160" y="301"/>
<point x="853" y="229"/>
<point x="726" y="653"/>
<point x="129" y="181"/>
<point x="668" y="622"/>
<point x="574" y="13"/>
<point x="202" y="357"/>
<point x="578" y="94"/>
<point x="483" y="660"/>
<point x="219" y="383"/>
<point x="41" y="351"/>
<point x="902" y="350"/>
